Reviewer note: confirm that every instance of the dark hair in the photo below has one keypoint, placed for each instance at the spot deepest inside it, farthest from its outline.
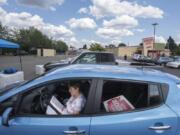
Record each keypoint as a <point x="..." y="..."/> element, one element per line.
<point x="74" y="85"/>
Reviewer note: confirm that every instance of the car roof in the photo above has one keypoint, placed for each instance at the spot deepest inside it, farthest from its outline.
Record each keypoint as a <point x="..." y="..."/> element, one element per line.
<point x="112" y="71"/>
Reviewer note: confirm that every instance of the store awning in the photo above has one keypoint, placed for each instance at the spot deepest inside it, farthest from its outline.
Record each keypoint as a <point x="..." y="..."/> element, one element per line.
<point x="8" y="44"/>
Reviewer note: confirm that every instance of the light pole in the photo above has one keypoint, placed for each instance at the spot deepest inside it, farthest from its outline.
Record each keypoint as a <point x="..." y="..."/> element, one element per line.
<point x="154" y="26"/>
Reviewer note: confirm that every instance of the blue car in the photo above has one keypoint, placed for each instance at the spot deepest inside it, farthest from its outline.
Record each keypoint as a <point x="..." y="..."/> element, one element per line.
<point x="153" y="97"/>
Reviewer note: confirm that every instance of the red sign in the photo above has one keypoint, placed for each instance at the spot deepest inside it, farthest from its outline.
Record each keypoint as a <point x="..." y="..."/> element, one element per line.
<point x="119" y="103"/>
<point x="148" y="42"/>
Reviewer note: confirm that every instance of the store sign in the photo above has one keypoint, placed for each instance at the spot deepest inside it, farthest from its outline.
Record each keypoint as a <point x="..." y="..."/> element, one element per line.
<point x="148" y="43"/>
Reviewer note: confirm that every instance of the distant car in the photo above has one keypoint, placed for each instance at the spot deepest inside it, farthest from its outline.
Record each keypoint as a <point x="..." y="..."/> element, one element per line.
<point x="146" y="59"/>
<point x="150" y="105"/>
<point x="123" y="62"/>
<point x="136" y="57"/>
<point x="174" y="64"/>
<point x="85" y="58"/>
<point x="163" y="60"/>
<point x="21" y="52"/>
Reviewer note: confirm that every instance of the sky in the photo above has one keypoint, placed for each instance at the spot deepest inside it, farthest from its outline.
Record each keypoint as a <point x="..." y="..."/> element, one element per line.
<point x="79" y="22"/>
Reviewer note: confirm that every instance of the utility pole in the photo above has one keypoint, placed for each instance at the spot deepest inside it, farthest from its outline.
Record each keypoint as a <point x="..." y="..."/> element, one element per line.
<point x="154" y="26"/>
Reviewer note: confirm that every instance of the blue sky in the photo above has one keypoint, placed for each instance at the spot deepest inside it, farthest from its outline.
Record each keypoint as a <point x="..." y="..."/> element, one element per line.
<point x="86" y="21"/>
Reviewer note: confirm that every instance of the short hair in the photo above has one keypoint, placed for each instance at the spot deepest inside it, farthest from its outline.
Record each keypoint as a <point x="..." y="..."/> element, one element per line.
<point x="75" y="84"/>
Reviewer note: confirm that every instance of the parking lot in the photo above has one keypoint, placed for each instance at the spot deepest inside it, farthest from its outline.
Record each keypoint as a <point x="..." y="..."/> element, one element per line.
<point x="29" y="62"/>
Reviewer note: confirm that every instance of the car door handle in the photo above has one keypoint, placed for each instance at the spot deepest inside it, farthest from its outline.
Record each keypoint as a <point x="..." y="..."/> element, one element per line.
<point x="75" y="132"/>
<point x="160" y="127"/>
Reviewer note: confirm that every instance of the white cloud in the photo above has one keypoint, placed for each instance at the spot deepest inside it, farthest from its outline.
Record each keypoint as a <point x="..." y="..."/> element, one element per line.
<point x="160" y="39"/>
<point x="42" y="3"/>
<point x="139" y="30"/>
<point x="102" y="8"/>
<point x="123" y="21"/>
<point x="82" y="23"/>
<point x="52" y="8"/>
<point x="3" y="1"/>
<point x="178" y="39"/>
<point x="83" y="10"/>
<point x="26" y="20"/>
<point x="113" y="33"/>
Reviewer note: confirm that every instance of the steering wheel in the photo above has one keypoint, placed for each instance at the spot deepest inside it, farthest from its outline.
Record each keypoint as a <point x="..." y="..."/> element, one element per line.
<point x="45" y="97"/>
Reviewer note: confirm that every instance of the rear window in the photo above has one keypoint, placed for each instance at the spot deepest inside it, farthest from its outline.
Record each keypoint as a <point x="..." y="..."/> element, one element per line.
<point x="107" y="58"/>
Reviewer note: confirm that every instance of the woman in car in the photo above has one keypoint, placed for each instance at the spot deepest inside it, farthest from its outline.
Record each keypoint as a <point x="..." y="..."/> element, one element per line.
<point x="74" y="105"/>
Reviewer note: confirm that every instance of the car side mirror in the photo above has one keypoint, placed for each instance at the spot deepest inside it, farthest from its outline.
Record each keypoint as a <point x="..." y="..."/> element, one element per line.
<point x="5" y="116"/>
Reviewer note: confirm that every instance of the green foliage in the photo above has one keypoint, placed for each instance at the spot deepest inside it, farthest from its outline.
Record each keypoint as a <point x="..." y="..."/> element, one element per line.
<point x="122" y="45"/>
<point x="96" y="47"/>
<point x="3" y="32"/>
<point x="85" y="46"/>
<point x="31" y="38"/>
<point x="171" y="45"/>
<point x="111" y="46"/>
<point x="61" y="46"/>
<point x="177" y="51"/>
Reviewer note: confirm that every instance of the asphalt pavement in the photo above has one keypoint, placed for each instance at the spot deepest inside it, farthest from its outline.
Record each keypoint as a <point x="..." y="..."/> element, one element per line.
<point x="29" y="62"/>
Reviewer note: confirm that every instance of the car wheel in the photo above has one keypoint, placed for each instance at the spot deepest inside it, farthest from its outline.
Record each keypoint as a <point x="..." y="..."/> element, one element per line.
<point x="179" y="67"/>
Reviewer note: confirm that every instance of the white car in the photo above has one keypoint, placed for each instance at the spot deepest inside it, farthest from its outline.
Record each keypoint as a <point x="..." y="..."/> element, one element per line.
<point x="136" y="56"/>
<point x="123" y="62"/>
<point x="174" y="64"/>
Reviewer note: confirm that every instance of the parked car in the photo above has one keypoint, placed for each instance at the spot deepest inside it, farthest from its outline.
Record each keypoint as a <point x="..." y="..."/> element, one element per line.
<point x="136" y="57"/>
<point x="174" y="64"/>
<point x="163" y="60"/>
<point x="153" y="95"/>
<point x="146" y="59"/>
<point x="84" y="58"/>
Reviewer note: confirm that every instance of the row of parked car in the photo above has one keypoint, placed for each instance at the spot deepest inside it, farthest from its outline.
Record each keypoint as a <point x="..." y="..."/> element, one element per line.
<point x="172" y="61"/>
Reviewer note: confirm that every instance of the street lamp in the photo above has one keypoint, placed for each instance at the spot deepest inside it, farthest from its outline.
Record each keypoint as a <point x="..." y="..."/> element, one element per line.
<point x="154" y="26"/>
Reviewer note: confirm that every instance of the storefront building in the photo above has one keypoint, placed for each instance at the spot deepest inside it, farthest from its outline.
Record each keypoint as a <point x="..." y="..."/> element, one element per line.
<point x="154" y="50"/>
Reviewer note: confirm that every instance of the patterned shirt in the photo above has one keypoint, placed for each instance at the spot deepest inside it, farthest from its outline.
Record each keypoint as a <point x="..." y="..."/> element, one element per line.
<point x="75" y="105"/>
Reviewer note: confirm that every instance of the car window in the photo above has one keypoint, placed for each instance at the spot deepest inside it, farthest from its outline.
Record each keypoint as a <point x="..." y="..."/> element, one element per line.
<point x="106" y="58"/>
<point x="87" y="59"/>
<point x="40" y="100"/>
<point x="123" y="96"/>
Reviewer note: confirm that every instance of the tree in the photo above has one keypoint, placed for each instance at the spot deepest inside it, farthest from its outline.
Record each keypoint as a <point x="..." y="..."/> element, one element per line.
<point x="96" y="47"/>
<point x="122" y="45"/>
<point x="3" y="31"/>
<point x="141" y="44"/>
<point x="85" y="46"/>
<point x="33" y="38"/>
<point x="61" y="46"/>
<point x="177" y="52"/>
<point x="171" y="45"/>
<point x="111" y="46"/>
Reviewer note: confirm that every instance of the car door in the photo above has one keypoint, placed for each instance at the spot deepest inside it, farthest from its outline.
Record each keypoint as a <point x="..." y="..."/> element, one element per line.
<point x="152" y="120"/>
<point x="50" y="125"/>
